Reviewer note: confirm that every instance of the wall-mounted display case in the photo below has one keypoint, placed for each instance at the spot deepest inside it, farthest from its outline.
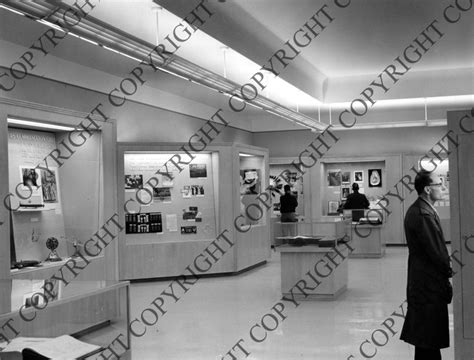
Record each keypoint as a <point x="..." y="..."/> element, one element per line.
<point x="58" y="190"/>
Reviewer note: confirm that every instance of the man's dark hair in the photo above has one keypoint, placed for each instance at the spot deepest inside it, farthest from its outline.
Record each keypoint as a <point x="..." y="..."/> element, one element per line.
<point x="422" y="179"/>
<point x="355" y="187"/>
<point x="287" y="188"/>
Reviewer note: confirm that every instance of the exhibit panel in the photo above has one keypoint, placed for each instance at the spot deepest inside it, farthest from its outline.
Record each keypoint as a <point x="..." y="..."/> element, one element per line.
<point x="174" y="210"/>
<point x="461" y="170"/>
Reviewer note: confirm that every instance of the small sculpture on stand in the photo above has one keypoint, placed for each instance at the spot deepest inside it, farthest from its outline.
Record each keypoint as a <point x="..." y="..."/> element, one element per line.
<point x="77" y="252"/>
<point x="52" y="244"/>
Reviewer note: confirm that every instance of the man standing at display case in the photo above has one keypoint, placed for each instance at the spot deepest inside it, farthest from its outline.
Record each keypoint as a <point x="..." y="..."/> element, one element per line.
<point x="356" y="200"/>
<point x="288" y="204"/>
<point x="428" y="288"/>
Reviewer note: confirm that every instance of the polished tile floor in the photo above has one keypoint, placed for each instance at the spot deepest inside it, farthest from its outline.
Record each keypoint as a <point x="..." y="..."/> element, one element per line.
<point x="218" y="312"/>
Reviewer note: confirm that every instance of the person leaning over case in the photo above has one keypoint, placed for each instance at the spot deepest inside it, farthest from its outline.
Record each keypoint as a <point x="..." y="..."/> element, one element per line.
<point x="429" y="291"/>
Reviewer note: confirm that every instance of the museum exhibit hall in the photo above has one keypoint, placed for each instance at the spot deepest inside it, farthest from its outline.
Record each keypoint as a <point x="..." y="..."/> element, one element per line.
<point x="237" y="179"/>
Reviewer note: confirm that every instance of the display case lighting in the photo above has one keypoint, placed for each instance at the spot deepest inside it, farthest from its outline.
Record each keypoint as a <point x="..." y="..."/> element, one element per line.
<point x="38" y="124"/>
<point x="245" y="155"/>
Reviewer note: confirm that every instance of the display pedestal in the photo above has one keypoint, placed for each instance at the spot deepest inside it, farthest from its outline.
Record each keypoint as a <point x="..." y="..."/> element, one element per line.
<point x="297" y="261"/>
<point x="367" y="241"/>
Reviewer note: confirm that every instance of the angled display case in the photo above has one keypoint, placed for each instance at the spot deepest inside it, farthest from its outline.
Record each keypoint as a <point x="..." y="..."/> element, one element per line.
<point x="174" y="205"/>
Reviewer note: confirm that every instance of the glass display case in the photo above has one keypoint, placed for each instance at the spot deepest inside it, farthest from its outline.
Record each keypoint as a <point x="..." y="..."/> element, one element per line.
<point x="96" y="312"/>
<point x="173" y="209"/>
<point x="58" y="221"/>
<point x="251" y="179"/>
<point x="56" y="204"/>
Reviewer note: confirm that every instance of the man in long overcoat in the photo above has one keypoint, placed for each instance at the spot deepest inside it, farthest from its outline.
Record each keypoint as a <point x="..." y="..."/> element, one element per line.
<point x="428" y="288"/>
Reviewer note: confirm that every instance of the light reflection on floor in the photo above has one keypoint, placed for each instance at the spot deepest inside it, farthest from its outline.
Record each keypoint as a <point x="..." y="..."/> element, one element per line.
<point x="217" y="312"/>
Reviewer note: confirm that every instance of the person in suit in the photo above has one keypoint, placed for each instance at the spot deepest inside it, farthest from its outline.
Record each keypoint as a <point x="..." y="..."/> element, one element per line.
<point x="356" y="200"/>
<point x="288" y="204"/>
<point x="429" y="291"/>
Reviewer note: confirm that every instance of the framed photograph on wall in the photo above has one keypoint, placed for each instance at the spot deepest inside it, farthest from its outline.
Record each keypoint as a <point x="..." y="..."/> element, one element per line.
<point x="133" y="181"/>
<point x="375" y="177"/>
<point x="49" y="181"/>
<point x="358" y="176"/>
<point x="162" y="194"/>
<point x="334" y="178"/>
<point x="346" y="177"/>
<point x="345" y="191"/>
<point x="332" y="207"/>
<point x="30" y="188"/>
<point x="197" y="170"/>
<point x="249" y="181"/>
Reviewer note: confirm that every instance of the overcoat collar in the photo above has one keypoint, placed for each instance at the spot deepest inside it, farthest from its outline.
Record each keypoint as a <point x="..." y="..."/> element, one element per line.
<point x="425" y="207"/>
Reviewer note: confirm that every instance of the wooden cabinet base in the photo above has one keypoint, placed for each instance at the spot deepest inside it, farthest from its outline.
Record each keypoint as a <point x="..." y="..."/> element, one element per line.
<point x="296" y="262"/>
<point x="367" y="241"/>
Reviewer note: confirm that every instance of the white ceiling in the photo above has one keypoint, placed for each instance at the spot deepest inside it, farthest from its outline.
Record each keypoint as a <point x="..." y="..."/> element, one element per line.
<point x="362" y="39"/>
<point x="357" y="45"/>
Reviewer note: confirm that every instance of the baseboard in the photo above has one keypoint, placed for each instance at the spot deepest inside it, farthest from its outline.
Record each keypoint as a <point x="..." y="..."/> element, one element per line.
<point x="405" y="245"/>
<point x="167" y="278"/>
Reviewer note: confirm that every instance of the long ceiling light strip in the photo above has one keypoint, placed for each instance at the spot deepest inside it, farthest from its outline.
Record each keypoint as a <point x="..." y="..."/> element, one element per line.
<point x="38" y="124"/>
<point x="403" y="124"/>
<point x="113" y="39"/>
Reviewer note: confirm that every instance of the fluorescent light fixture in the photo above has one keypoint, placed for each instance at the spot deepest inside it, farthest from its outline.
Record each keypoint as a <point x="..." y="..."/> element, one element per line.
<point x="408" y="102"/>
<point x="274" y="113"/>
<point x="245" y="155"/>
<point x="237" y="98"/>
<point x="116" y="51"/>
<point x="403" y="124"/>
<point x="121" y="43"/>
<point x="50" y="24"/>
<point x="12" y="10"/>
<point x="254" y="105"/>
<point x="83" y="38"/>
<point x="130" y="57"/>
<point x="38" y="124"/>
<point x="110" y="49"/>
<point x="172" y="73"/>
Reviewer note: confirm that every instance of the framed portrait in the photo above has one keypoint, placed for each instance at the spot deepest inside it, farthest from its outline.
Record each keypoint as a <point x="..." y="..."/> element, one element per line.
<point x="358" y="176"/>
<point x="346" y="177"/>
<point x="30" y="189"/>
<point x="249" y="181"/>
<point x="332" y="207"/>
<point x="375" y="177"/>
<point x="49" y="181"/>
<point x="345" y="191"/>
<point x="334" y="178"/>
